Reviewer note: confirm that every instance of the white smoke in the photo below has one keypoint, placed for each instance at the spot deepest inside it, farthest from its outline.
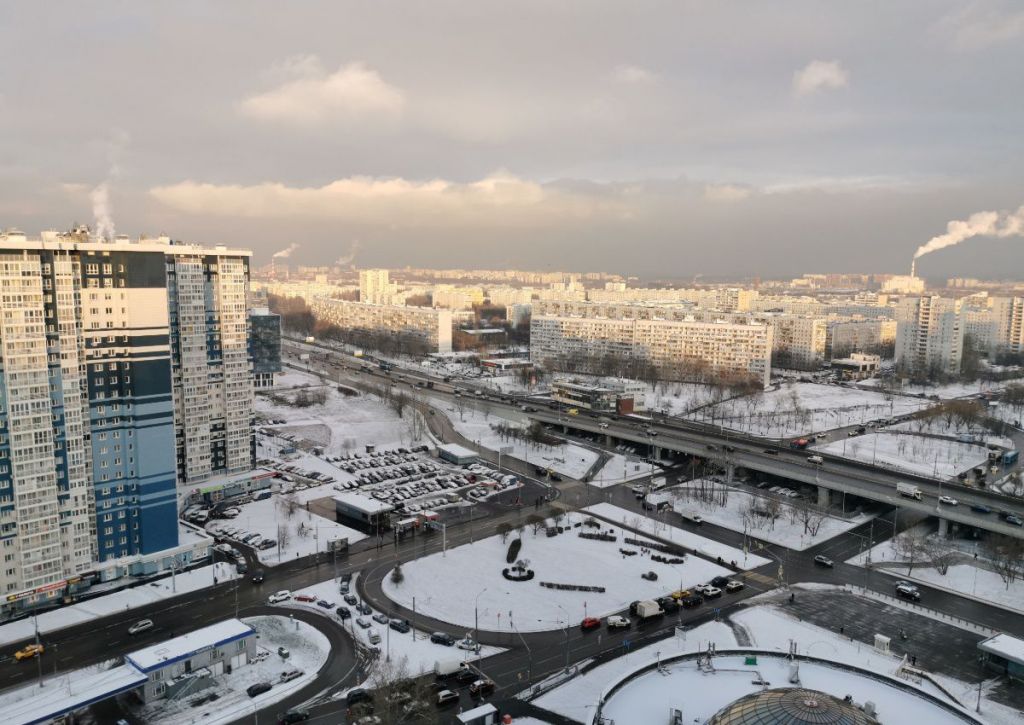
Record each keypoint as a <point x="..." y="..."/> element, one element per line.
<point x="980" y="224"/>
<point x="101" y="211"/>
<point x="285" y="253"/>
<point x="349" y="258"/>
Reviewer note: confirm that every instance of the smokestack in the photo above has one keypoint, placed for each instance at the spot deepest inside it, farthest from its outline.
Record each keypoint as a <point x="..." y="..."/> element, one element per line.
<point x="913" y="264"/>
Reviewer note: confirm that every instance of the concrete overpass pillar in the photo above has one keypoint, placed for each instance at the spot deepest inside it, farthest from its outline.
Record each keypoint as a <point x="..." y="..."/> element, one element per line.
<point x="656" y="452"/>
<point x="565" y="430"/>
<point x="824" y="497"/>
<point x="943" y="527"/>
<point x="608" y="440"/>
<point x="730" y="471"/>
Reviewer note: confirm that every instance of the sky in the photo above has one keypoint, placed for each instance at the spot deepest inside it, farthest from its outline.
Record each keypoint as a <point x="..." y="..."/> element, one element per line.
<point x="659" y="139"/>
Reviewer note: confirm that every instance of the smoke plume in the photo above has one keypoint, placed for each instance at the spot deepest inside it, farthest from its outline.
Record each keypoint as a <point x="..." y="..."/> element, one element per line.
<point x="101" y="211"/>
<point x="349" y="258"/>
<point x="980" y="224"/>
<point x="285" y="253"/>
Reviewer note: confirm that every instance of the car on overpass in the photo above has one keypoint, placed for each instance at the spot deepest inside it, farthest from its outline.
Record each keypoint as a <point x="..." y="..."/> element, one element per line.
<point x="948" y="500"/>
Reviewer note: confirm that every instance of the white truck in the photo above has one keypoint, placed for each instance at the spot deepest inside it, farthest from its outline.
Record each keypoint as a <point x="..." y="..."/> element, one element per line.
<point x="648" y="609"/>
<point x="447" y="667"/>
<point x="908" y="489"/>
<point x="310" y="340"/>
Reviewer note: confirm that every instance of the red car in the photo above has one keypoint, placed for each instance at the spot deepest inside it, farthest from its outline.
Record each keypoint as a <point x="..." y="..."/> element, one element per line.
<point x="590" y="623"/>
<point x="304" y="598"/>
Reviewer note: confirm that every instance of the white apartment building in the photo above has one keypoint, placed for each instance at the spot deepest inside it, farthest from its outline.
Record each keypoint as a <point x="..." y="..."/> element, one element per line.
<point x="929" y="335"/>
<point x="455" y="297"/>
<point x="375" y="287"/>
<point x="678" y="349"/>
<point x="429" y="326"/>
<point x="994" y="323"/>
<point x="798" y="342"/>
<point x="904" y="284"/>
<point x="507" y="296"/>
<point x="848" y="335"/>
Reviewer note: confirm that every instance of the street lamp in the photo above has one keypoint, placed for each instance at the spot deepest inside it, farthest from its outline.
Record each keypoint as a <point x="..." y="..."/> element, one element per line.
<point x="476" y="618"/>
<point x="566" y="635"/>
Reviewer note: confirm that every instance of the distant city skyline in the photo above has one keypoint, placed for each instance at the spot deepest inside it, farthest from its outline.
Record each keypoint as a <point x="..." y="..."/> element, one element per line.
<point x="660" y="139"/>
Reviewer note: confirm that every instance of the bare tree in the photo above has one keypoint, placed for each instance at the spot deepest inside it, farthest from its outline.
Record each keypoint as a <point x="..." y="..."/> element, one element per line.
<point x="536" y="522"/>
<point x="1006" y="553"/>
<point x="812" y="520"/>
<point x="400" y="697"/>
<point x="910" y="547"/>
<point x="503" y="530"/>
<point x="284" y="536"/>
<point x="940" y="554"/>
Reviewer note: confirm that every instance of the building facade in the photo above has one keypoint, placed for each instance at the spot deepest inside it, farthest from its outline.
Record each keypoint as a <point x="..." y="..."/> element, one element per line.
<point x="375" y="287"/>
<point x="798" y="342"/>
<point x="425" y="325"/>
<point x="265" y="338"/>
<point x="929" y="336"/>
<point x="88" y="421"/>
<point x="846" y="336"/>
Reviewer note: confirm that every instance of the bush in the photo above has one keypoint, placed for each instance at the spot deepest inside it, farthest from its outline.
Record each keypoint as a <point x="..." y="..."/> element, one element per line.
<point x="513" y="550"/>
<point x="396" y="574"/>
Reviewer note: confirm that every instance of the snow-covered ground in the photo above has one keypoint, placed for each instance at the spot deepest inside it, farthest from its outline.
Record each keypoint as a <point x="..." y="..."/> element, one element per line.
<point x="948" y="391"/>
<point x="917" y="454"/>
<point x="307" y="648"/>
<point x="964" y="578"/>
<point x="418" y="653"/>
<point x="270" y="519"/>
<point x="733" y="508"/>
<point x="663" y="531"/>
<point x="476" y="421"/>
<point x="119" y="601"/>
<point x="939" y="426"/>
<point x="467" y="580"/>
<point x="801" y="408"/>
<point x="619" y="469"/>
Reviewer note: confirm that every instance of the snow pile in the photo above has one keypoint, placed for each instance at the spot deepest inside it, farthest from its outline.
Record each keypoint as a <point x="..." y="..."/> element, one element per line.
<point x="467" y="581"/>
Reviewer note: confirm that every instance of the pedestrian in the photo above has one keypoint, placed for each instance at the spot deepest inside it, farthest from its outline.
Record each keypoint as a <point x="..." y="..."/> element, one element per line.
<point x="913" y="660"/>
<point x="842" y="629"/>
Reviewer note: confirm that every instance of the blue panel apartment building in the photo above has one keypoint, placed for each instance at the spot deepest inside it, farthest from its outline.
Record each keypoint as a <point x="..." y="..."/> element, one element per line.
<point x="99" y="360"/>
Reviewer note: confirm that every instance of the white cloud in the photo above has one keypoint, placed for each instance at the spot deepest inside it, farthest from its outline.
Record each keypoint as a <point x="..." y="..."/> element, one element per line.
<point x="727" y="192"/>
<point x="633" y="75"/>
<point x="499" y="198"/>
<point x="978" y="26"/>
<point x="819" y="75"/>
<point x="313" y="96"/>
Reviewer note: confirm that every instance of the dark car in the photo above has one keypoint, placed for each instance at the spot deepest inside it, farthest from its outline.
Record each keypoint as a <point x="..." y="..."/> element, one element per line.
<point x="481" y="687"/>
<point x="668" y="604"/>
<point x="981" y="509"/>
<point x="296" y="715"/>
<point x="770" y="451"/>
<point x="691" y="602"/>
<point x="257" y="577"/>
<point x="258" y="689"/>
<point x="351" y="599"/>
<point x="822" y="560"/>
<point x="556" y="478"/>
<point x="363" y="608"/>
<point x="908" y="591"/>
<point x="357" y="695"/>
<point x="442" y="638"/>
<point x="633" y="607"/>
<point x="719" y="581"/>
<point x="540" y="471"/>
<point x="343" y="612"/>
<point x="466" y="675"/>
<point x="399" y="625"/>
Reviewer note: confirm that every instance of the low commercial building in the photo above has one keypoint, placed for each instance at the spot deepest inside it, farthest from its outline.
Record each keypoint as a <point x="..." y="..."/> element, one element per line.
<point x="365" y="513"/>
<point x="858" y="366"/>
<point x="454" y="453"/>
<point x="188" y="663"/>
<point x="1004" y="654"/>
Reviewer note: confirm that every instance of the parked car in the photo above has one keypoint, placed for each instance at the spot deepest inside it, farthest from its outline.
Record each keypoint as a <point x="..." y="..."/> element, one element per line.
<point x="399" y="625"/>
<point x="481" y="687"/>
<point x="719" y="581"/>
<point x="380" y="618"/>
<point x="712" y="592"/>
<point x="343" y="588"/>
<point x="292" y="716"/>
<point x="357" y="695"/>
<point x="307" y="598"/>
<point x="343" y="612"/>
<point x="363" y="622"/>
<point x="590" y="623"/>
<point x="734" y="586"/>
<point x="351" y="599"/>
<point x="467" y="643"/>
<point x="283" y="653"/>
<point x="325" y="603"/>
<point x="258" y="689"/>
<point x="29" y="651"/>
<point x="446" y="698"/>
<point x="691" y="602"/>
<point x="822" y="560"/>
<point x="618" y="622"/>
<point x="374" y="636"/>
<point x="289" y="675"/>
<point x="277" y="597"/>
<point x="442" y="638"/>
<point x="141" y="626"/>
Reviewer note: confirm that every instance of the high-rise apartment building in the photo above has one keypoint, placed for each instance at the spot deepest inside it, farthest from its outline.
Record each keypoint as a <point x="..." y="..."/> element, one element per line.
<point x="265" y="339"/>
<point x="929" y="335"/>
<point x="101" y="373"/>
<point x="374" y="286"/>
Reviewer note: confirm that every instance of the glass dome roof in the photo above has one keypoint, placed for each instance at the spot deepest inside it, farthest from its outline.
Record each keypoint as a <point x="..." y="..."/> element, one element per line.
<point x="791" y="706"/>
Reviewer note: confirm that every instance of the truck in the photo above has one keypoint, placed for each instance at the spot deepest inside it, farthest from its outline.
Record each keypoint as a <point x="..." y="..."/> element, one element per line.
<point x="908" y="489"/>
<point x="648" y="609"/>
<point x="310" y="340"/>
<point x="657" y="502"/>
<point x="357" y="353"/>
<point x="447" y="667"/>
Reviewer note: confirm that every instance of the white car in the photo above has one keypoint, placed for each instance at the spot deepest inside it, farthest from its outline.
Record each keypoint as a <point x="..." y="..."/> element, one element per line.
<point x="466" y="643"/>
<point x="141" y="626"/>
<point x="363" y="622"/>
<point x="277" y="597"/>
<point x="616" y="622"/>
<point x="948" y="500"/>
<point x="701" y="588"/>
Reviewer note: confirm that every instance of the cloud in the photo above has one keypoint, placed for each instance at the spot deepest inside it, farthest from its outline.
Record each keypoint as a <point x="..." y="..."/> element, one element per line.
<point x="498" y="198"/>
<point x="313" y="96"/>
<point x="633" y="75"/>
<point x="819" y="75"/>
<point x="976" y="27"/>
<point x="727" y="192"/>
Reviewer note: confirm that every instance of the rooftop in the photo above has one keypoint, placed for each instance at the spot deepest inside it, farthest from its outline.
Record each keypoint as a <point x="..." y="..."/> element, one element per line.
<point x="69" y="692"/>
<point x="363" y="503"/>
<point x="1005" y="646"/>
<point x="179" y="648"/>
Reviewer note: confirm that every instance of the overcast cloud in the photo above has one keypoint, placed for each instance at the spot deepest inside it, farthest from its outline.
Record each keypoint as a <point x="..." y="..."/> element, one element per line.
<point x="653" y="138"/>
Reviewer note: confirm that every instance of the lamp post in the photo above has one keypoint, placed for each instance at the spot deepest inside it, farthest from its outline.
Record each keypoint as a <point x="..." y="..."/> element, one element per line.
<point x="566" y="635"/>
<point x="476" y="618"/>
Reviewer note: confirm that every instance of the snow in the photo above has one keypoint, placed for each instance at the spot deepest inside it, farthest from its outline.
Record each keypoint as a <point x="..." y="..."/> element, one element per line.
<point x="731" y="508"/>
<point x="947" y="391"/>
<point x="913" y="453"/>
<point x="419" y="654"/>
<point x="447" y="586"/>
<point x="31" y="704"/>
<point x="660" y="530"/>
<point x="188" y="644"/>
<point x="939" y="426"/>
<point x="307" y="648"/>
<point x="266" y="518"/>
<point x="1007" y="647"/>
<point x="620" y="469"/>
<point x="119" y="601"/>
<point x="801" y="408"/>
<point x="475" y="422"/>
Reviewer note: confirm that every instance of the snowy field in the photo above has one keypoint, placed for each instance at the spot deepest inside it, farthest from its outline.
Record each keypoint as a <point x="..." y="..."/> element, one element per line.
<point x="662" y="531"/>
<point x="917" y="454"/>
<point x="732" y="508"/>
<point x="939" y="426"/>
<point x="620" y="469"/>
<point x="948" y="391"/>
<point x="270" y="519"/>
<point x="963" y="578"/>
<point x="308" y="650"/>
<point x="802" y="408"/>
<point x="119" y="601"/>
<point x="476" y="422"/>
<point x="343" y="423"/>
<point x="448" y="586"/>
<point x="418" y="654"/>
